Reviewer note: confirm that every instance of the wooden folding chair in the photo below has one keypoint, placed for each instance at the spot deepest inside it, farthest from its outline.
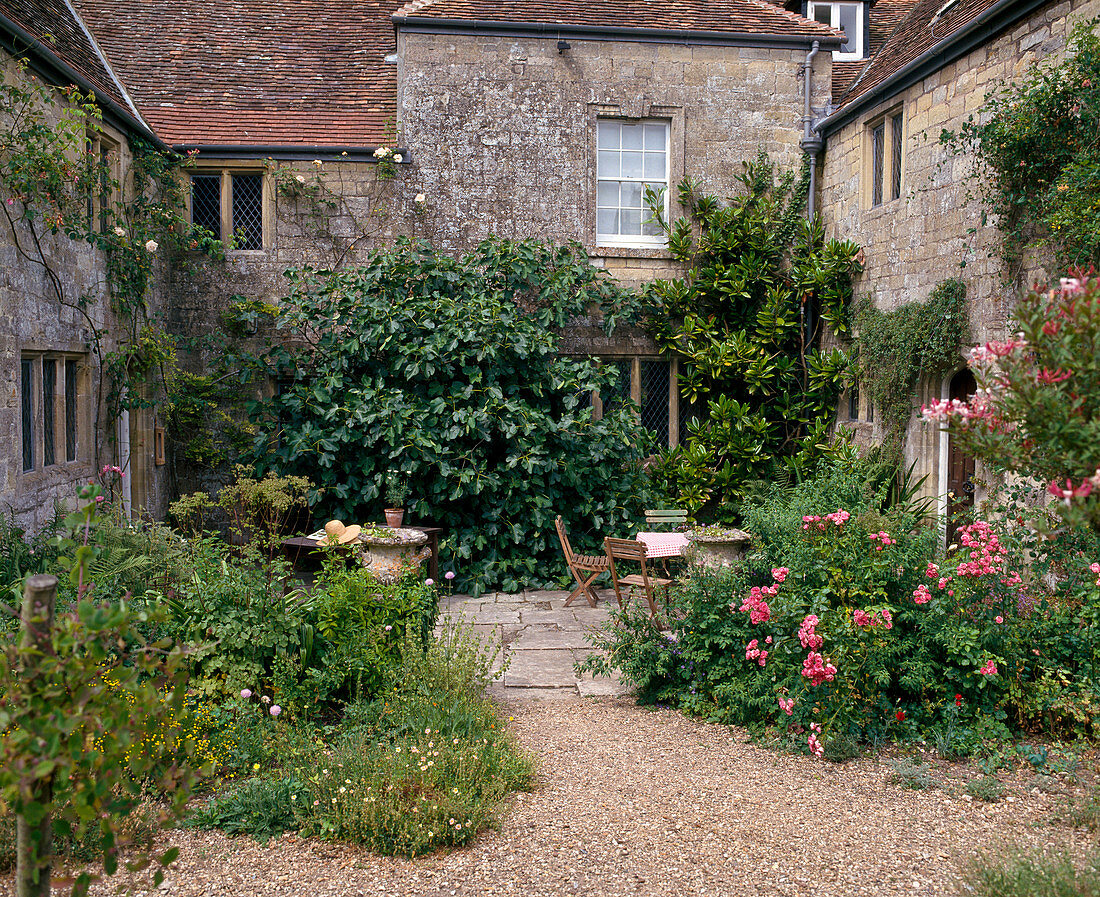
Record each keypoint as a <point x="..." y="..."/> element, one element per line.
<point x="634" y="551"/>
<point x="579" y="566"/>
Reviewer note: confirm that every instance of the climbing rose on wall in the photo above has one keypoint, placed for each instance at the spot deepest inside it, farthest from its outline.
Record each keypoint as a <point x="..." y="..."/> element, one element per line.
<point x="1036" y="411"/>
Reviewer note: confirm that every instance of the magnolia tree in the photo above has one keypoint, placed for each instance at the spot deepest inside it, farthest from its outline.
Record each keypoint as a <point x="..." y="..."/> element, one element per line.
<point x="1036" y="411"/>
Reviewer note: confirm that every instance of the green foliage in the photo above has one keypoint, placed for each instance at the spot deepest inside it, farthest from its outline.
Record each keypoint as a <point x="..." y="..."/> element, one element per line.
<point x="256" y="511"/>
<point x="1034" y="875"/>
<point x="366" y="626"/>
<point x="985" y="788"/>
<point x="1039" y="171"/>
<point x="1037" y="409"/>
<point x="448" y="371"/>
<point x="840" y="619"/>
<point x="910" y="775"/>
<point x="260" y="807"/>
<point x="423" y="765"/>
<point x="763" y="290"/>
<point x="898" y="347"/>
<point x="234" y="608"/>
<point x="20" y="558"/>
<point x="71" y="717"/>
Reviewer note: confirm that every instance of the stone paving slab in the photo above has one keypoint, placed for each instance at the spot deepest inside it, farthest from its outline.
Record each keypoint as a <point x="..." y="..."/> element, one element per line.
<point x="541" y="638"/>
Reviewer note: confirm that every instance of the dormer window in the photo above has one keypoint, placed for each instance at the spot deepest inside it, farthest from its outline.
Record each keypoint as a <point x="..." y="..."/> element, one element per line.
<point x="849" y="18"/>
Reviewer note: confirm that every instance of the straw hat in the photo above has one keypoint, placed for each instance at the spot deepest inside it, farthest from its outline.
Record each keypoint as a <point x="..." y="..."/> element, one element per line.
<point x="338" y="534"/>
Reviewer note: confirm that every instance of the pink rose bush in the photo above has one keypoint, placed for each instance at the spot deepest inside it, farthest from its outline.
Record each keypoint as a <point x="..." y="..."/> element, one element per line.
<point x="845" y="617"/>
<point x="1037" y="408"/>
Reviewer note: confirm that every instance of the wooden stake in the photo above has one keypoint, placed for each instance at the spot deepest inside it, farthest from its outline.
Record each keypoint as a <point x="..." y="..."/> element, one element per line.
<point x="34" y="846"/>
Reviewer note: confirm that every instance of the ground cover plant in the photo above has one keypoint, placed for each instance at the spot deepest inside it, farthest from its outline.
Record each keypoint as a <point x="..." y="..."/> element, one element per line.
<point x="448" y="372"/>
<point x="277" y="691"/>
<point x="423" y="764"/>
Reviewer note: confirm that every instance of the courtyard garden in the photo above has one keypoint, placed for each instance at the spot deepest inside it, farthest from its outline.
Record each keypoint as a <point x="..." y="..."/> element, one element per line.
<point x="857" y="704"/>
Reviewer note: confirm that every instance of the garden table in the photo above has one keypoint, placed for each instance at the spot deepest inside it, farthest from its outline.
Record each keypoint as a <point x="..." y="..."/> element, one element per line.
<point x="663" y="545"/>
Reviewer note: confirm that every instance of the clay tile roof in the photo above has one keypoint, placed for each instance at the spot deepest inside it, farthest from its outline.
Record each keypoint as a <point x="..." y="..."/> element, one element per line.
<point x="845" y="71"/>
<point x="715" y="16"/>
<point x="886" y="15"/>
<point x="245" y="73"/>
<point x="53" y="24"/>
<point x="929" y="23"/>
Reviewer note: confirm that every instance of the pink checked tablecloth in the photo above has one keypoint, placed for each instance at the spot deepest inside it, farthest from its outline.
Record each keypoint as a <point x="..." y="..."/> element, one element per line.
<point x="663" y="545"/>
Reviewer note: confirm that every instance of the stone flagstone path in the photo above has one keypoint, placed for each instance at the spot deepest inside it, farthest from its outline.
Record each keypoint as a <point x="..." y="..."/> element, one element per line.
<point x="541" y="637"/>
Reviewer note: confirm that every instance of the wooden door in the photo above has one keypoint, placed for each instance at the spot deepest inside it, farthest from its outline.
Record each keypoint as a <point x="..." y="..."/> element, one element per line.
<point x="960" y="466"/>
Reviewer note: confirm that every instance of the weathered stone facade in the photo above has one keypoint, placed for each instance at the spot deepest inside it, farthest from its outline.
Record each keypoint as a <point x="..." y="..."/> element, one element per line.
<point x="935" y="230"/>
<point x="503" y="129"/>
<point x="43" y="329"/>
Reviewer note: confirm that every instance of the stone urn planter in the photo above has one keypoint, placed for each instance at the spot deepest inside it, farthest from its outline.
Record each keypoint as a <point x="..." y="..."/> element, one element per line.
<point x="390" y="552"/>
<point x="714" y="546"/>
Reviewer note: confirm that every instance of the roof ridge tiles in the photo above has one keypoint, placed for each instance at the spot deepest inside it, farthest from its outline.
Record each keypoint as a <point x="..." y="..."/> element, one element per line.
<point x="793" y="16"/>
<point x="412" y="7"/>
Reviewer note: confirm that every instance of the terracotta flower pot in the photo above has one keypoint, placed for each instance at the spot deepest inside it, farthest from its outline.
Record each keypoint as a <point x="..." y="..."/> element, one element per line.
<point x="394" y="516"/>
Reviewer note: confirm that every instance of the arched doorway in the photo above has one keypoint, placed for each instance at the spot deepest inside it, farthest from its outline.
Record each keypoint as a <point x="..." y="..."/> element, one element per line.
<point x="960" y="466"/>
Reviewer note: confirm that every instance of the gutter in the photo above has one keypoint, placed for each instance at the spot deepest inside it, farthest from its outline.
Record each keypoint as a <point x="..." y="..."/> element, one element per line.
<point x="23" y="43"/>
<point x="290" y="153"/>
<point x="488" y="28"/>
<point x="999" y="17"/>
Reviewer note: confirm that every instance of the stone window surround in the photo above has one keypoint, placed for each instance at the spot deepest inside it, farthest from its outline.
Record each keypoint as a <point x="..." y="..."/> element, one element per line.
<point x="100" y="143"/>
<point x="634" y="110"/>
<point x="885" y="118"/>
<point x="81" y="416"/>
<point x="227" y="170"/>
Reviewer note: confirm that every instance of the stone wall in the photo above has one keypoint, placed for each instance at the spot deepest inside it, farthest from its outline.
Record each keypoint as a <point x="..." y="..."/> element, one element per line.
<point x="935" y="230"/>
<point x="502" y="129"/>
<point x="35" y="324"/>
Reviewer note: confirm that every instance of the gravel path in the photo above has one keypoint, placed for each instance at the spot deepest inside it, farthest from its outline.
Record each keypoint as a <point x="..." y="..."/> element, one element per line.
<point x="648" y="802"/>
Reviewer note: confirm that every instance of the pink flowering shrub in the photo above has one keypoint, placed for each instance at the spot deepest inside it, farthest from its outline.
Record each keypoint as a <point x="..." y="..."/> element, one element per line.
<point x="1037" y="408"/>
<point x="843" y="624"/>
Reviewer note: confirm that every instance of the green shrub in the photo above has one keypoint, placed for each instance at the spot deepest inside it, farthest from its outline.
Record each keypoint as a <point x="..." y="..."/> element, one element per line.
<point x="986" y="788"/>
<point x="914" y="776"/>
<point x="448" y="371"/>
<point x="1034" y="875"/>
<point x="260" y="807"/>
<point x="839" y="627"/>
<point x="762" y="294"/>
<point x="235" y="608"/>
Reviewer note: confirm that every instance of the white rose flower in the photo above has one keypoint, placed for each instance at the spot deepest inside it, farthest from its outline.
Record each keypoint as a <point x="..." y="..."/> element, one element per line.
<point x="420" y="199"/>
<point x="152" y="246"/>
<point x="318" y="162"/>
<point x="397" y="157"/>
<point x="119" y="232"/>
<point x="300" y="179"/>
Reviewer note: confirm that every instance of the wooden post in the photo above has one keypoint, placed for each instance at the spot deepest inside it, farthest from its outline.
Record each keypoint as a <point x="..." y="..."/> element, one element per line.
<point x="34" y="843"/>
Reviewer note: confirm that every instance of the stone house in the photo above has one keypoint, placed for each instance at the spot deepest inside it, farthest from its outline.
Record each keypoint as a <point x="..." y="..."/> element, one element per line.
<point x="889" y="184"/>
<point x="547" y="120"/>
<point x="58" y="321"/>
